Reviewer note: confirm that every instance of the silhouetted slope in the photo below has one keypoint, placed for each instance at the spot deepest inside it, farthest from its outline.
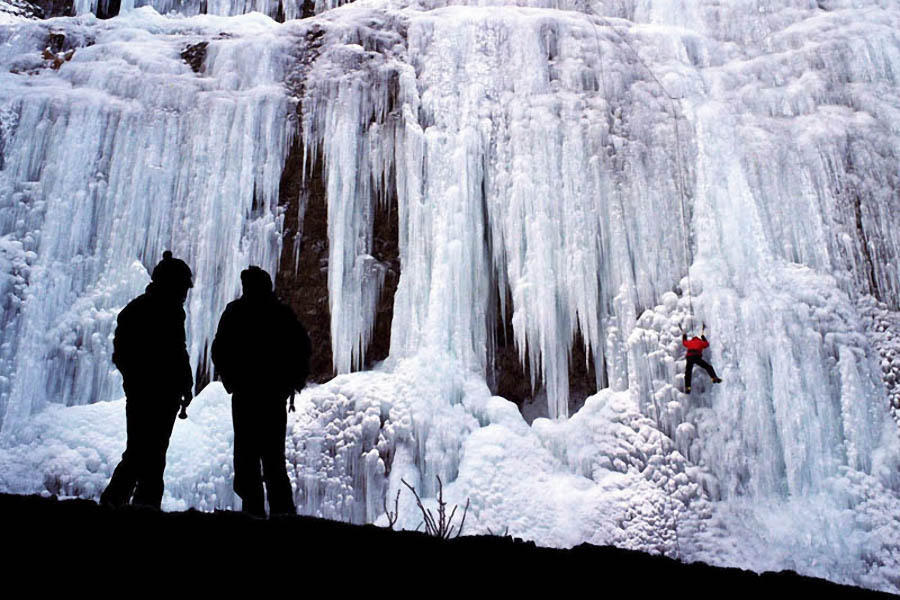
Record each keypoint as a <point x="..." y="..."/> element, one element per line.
<point x="95" y="538"/>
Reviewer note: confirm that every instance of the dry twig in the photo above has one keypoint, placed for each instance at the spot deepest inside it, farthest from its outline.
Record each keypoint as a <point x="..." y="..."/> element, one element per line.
<point x="442" y="526"/>
<point x="392" y="516"/>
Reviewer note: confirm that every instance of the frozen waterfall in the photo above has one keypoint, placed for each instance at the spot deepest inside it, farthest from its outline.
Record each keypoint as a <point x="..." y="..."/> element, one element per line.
<point x="107" y="162"/>
<point x="598" y="173"/>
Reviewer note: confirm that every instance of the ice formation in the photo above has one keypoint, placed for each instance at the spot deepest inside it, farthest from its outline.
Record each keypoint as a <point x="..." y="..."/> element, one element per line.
<point x="112" y="159"/>
<point x="598" y="171"/>
<point x="276" y="9"/>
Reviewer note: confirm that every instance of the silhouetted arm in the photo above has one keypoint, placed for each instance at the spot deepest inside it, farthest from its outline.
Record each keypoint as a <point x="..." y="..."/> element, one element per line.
<point x="296" y="348"/>
<point x="304" y="353"/>
<point x="123" y="341"/>
<point x="187" y="376"/>
<point x="221" y="348"/>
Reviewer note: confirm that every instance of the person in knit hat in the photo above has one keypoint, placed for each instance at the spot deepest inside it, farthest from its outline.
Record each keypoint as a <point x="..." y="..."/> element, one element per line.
<point x="150" y="351"/>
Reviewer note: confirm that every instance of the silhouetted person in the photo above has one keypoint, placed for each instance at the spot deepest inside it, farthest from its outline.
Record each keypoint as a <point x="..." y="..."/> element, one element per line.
<point x="149" y="350"/>
<point x="695" y="347"/>
<point x="261" y="354"/>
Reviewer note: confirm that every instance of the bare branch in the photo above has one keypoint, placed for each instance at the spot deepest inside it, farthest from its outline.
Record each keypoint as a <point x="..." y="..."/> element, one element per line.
<point x="442" y="526"/>
<point x="392" y="517"/>
<point x="462" y="524"/>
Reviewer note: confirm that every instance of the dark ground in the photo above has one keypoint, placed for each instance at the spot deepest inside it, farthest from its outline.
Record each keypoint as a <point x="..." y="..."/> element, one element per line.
<point x="59" y="540"/>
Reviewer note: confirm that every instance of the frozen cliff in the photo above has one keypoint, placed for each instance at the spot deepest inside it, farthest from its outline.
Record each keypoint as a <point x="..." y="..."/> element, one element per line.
<point x="522" y="199"/>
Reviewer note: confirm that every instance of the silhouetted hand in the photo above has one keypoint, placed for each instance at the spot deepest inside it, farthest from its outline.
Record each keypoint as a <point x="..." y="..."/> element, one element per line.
<point x="186" y="398"/>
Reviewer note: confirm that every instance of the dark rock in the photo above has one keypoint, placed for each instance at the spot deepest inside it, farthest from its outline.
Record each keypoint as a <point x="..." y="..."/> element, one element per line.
<point x="302" y="278"/>
<point x="56" y="8"/>
<point x="22" y="8"/>
<point x="194" y="55"/>
<point x="107" y="9"/>
<point x="386" y="250"/>
<point x="279" y="14"/>
<point x="56" y="42"/>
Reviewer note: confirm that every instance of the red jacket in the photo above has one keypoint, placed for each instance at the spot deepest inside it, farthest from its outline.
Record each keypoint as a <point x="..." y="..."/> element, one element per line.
<point x="695" y="345"/>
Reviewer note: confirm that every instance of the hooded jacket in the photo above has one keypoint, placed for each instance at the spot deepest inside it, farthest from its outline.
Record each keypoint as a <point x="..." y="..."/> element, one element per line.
<point x="260" y="347"/>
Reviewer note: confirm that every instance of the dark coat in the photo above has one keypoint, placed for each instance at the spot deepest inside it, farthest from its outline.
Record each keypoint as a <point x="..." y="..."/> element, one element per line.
<point x="149" y="346"/>
<point x="261" y="348"/>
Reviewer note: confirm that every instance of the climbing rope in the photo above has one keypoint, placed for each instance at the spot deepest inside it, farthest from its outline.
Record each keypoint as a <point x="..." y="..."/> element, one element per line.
<point x="673" y="101"/>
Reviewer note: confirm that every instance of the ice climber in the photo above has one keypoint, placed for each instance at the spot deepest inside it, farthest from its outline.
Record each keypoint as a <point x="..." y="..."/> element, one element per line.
<point x="695" y="347"/>
<point x="149" y="350"/>
<point x="261" y="353"/>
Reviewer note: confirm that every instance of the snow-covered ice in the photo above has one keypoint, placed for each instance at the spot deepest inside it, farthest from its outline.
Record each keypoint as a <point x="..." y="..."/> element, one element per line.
<point x="596" y="171"/>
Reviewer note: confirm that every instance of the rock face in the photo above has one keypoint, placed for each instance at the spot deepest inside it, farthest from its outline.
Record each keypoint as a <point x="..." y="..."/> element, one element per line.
<point x="194" y="54"/>
<point x="21" y="8"/>
<point x="302" y="279"/>
<point x="56" y="8"/>
<point x="38" y="9"/>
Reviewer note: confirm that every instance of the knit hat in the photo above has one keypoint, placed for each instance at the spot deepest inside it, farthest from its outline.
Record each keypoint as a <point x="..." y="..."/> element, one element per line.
<point x="172" y="272"/>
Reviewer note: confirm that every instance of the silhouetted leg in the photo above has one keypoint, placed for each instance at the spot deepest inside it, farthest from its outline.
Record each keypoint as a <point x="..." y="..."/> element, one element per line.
<point x="707" y="367"/>
<point x="278" y="485"/>
<point x="160" y="419"/>
<point x="247" y="476"/>
<point x="688" y="371"/>
<point x="121" y="486"/>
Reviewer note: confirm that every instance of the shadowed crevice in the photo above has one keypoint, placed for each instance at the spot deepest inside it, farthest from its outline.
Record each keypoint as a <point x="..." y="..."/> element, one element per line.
<point x="509" y="378"/>
<point x="386" y="250"/>
<point x="302" y="278"/>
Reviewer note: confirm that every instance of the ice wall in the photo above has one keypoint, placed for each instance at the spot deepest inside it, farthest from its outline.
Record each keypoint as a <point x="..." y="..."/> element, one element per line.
<point x="118" y="155"/>
<point x="282" y="10"/>
<point x="541" y="152"/>
<point x="616" y="169"/>
<point x="557" y="166"/>
<point x="506" y="174"/>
